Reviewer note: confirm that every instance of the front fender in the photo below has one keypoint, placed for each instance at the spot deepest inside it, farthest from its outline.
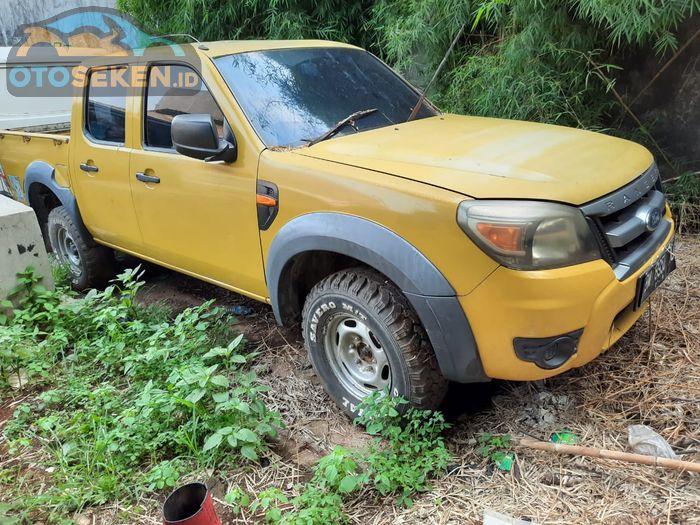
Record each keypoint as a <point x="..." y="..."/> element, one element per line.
<point x="430" y="294"/>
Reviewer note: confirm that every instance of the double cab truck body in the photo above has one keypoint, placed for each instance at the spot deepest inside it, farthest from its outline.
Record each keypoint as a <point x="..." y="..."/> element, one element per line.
<point x="413" y="251"/>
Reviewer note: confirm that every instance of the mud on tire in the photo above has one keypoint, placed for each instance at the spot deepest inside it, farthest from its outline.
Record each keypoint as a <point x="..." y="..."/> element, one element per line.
<point x="362" y="335"/>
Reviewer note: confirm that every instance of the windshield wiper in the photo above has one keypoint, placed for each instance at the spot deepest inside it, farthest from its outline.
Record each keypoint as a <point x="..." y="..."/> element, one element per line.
<point x="349" y="120"/>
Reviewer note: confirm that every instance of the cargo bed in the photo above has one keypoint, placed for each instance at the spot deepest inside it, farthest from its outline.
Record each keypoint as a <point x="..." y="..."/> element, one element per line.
<point x="20" y="149"/>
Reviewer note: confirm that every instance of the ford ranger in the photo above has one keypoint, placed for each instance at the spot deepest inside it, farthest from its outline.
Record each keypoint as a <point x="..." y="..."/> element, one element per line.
<point x="414" y="247"/>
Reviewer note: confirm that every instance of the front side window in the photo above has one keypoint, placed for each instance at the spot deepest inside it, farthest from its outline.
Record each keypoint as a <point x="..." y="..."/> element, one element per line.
<point x="292" y="96"/>
<point x="105" y="119"/>
<point x="175" y="90"/>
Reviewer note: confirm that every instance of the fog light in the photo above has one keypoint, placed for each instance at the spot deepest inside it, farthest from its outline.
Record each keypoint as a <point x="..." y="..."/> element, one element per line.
<point x="547" y="352"/>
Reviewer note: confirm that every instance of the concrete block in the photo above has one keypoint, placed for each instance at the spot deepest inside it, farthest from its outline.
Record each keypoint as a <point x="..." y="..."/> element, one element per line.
<point x="21" y="245"/>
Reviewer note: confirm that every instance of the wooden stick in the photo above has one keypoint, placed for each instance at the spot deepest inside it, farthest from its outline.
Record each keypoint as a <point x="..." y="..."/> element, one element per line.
<point x="592" y="452"/>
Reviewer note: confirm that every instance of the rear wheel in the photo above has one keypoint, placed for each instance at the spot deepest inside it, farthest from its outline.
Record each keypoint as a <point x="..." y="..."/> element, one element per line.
<point x="363" y="336"/>
<point x="90" y="265"/>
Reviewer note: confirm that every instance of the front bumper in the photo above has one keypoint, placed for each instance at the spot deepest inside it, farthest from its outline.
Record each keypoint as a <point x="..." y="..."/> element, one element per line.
<point x="512" y="304"/>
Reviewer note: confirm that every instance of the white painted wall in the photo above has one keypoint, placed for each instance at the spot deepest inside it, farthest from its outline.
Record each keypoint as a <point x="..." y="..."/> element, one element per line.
<point x="14" y="13"/>
<point x="31" y="114"/>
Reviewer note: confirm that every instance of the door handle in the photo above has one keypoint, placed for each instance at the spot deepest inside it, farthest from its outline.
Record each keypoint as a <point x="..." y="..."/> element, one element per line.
<point x="147" y="178"/>
<point x="89" y="168"/>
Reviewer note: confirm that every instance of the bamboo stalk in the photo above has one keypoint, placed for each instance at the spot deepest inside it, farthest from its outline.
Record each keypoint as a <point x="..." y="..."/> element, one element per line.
<point x="592" y="452"/>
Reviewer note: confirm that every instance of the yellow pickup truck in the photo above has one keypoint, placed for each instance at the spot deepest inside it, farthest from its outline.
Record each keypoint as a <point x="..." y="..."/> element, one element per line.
<point x="412" y="251"/>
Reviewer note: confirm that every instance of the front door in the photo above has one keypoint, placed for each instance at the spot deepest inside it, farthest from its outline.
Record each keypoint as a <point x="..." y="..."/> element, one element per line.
<point x="100" y="159"/>
<point x="195" y="216"/>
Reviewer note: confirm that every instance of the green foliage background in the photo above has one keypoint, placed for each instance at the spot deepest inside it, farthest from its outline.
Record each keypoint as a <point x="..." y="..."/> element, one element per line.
<point x="545" y="60"/>
<point x="553" y="61"/>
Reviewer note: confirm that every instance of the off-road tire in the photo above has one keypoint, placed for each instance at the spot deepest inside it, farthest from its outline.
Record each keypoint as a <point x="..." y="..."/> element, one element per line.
<point x="96" y="262"/>
<point x="415" y="375"/>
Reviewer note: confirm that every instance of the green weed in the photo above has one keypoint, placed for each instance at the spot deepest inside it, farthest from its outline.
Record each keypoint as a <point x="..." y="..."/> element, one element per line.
<point x="496" y="448"/>
<point x="407" y="451"/>
<point x="238" y="499"/>
<point x="60" y="272"/>
<point x="135" y="400"/>
<point x="410" y="447"/>
<point x="129" y="399"/>
<point x="684" y="189"/>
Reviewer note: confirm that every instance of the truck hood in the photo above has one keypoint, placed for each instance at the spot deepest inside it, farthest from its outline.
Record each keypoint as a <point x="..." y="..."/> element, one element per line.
<point x="493" y="158"/>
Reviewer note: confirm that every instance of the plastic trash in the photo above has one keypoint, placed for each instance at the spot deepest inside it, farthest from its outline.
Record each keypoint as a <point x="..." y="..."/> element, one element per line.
<point x="242" y="310"/>
<point x="504" y="462"/>
<point x="496" y="518"/>
<point x="643" y="440"/>
<point x="565" y="437"/>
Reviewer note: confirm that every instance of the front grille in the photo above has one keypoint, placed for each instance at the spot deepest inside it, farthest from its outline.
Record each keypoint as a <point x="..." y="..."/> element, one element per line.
<point x="629" y="223"/>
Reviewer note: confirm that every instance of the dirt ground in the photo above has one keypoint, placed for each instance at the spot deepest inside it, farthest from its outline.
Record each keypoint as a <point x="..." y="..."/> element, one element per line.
<point x="651" y="376"/>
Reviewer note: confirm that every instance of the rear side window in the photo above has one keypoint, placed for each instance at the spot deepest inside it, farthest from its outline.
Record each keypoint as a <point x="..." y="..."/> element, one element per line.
<point x="175" y="90"/>
<point x="105" y="119"/>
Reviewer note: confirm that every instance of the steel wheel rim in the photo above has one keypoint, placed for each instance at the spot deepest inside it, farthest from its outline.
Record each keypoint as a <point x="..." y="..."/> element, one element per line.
<point x="356" y="356"/>
<point x="68" y="252"/>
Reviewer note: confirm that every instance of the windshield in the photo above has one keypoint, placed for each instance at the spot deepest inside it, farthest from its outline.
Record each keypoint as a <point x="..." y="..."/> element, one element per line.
<point x="292" y="96"/>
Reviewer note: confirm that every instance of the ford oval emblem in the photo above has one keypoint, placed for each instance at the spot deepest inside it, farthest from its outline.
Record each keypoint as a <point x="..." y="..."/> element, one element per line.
<point x="653" y="219"/>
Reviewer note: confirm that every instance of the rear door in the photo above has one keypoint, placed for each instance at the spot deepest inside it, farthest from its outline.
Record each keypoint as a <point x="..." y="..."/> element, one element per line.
<point x="100" y="158"/>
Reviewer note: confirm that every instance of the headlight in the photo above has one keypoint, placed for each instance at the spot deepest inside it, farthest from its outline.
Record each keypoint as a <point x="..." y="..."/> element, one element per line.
<point x="529" y="235"/>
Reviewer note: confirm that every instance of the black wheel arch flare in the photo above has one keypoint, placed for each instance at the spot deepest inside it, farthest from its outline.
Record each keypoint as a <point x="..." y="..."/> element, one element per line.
<point x="42" y="173"/>
<point x="428" y="291"/>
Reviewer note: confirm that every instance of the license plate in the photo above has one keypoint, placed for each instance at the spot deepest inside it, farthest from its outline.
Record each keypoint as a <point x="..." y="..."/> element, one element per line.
<point x="655" y="275"/>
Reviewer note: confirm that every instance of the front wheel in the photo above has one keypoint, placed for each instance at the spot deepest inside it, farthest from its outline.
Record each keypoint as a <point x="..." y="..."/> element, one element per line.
<point x="363" y="336"/>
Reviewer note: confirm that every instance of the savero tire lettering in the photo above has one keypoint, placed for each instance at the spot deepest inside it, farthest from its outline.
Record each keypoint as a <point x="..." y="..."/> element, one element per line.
<point x="351" y="406"/>
<point x="317" y="314"/>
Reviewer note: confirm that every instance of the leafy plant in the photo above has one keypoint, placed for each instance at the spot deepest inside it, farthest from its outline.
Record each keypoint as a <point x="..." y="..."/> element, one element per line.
<point x="164" y="475"/>
<point x="16" y="349"/>
<point x="132" y="390"/>
<point x="138" y="397"/>
<point x="496" y="448"/>
<point x="29" y="310"/>
<point x="684" y="189"/>
<point x="221" y="20"/>
<point x="30" y="303"/>
<point x="60" y="272"/>
<point x="412" y="448"/>
<point x="335" y="476"/>
<point x="407" y="451"/>
<point x="268" y="501"/>
<point x="238" y="499"/>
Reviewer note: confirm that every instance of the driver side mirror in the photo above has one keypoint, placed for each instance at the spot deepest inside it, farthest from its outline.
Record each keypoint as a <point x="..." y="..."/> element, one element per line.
<point x="196" y="136"/>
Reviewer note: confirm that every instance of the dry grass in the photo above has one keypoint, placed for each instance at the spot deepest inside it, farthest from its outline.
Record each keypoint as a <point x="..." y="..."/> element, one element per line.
<point x="652" y="376"/>
<point x="688" y="218"/>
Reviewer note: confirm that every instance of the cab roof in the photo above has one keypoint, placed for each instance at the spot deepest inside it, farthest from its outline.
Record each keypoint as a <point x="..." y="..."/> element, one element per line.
<point x="230" y="47"/>
<point x="209" y="49"/>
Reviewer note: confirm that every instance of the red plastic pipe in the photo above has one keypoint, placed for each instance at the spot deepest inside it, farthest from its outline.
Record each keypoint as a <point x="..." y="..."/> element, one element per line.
<point x="191" y="504"/>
